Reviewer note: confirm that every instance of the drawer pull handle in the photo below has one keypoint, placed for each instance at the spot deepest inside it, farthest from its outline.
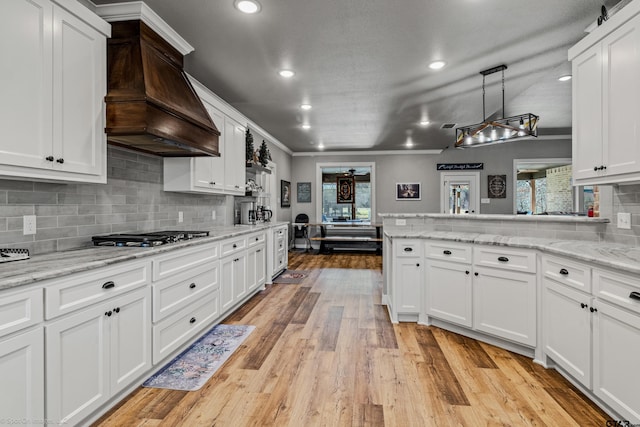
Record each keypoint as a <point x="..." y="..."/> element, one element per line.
<point x="49" y="158"/>
<point x="408" y="249"/>
<point x="592" y="309"/>
<point x="259" y="250"/>
<point x="192" y="320"/>
<point x="634" y="295"/>
<point x="108" y="285"/>
<point x="447" y="252"/>
<point x="583" y="305"/>
<point x="564" y="272"/>
<point x="192" y="286"/>
<point x="60" y="160"/>
<point x="108" y="314"/>
<point x="117" y="309"/>
<point x="503" y="259"/>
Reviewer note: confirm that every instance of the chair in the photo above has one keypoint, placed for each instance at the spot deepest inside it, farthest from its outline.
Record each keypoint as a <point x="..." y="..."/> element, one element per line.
<point x="301" y="231"/>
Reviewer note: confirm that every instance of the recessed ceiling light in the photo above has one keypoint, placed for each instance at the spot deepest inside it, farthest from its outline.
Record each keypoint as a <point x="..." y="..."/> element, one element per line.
<point x="305" y="107"/>
<point x="306" y="126"/>
<point x="247" y="6"/>
<point x="436" y="65"/>
<point x="321" y="146"/>
<point x="565" y="78"/>
<point x="287" y="74"/>
<point x="424" y="122"/>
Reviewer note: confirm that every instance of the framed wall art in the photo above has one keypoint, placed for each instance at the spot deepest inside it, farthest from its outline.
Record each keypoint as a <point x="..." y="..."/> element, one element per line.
<point x="408" y="191"/>
<point x="345" y="189"/>
<point x="285" y="194"/>
<point x="304" y="192"/>
<point x="497" y="186"/>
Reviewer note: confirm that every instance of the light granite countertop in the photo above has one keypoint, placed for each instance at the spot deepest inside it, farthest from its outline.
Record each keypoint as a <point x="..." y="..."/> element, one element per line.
<point x="499" y="217"/>
<point x="58" y="264"/>
<point x="612" y="255"/>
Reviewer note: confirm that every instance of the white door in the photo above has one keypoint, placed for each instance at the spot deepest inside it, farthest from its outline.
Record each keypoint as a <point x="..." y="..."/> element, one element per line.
<point x="460" y="192"/>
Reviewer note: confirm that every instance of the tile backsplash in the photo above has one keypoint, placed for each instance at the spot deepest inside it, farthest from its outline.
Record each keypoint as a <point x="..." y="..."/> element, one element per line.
<point x="67" y="215"/>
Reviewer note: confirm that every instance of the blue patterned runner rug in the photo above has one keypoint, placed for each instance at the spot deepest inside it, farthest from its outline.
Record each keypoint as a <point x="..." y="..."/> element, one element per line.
<point x="193" y="367"/>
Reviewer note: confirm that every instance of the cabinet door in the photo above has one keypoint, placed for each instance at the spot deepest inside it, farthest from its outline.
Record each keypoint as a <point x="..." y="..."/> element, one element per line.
<point x="449" y="292"/>
<point x="226" y="283"/>
<point x="615" y="359"/>
<point x="235" y="165"/>
<point x="79" y="86"/>
<point x="621" y="103"/>
<point x="504" y="304"/>
<point x="567" y="329"/>
<point x="209" y="171"/>
<point x="239" y="276"/>
<point x="587" y="113"/>
<point x="261" y="266"/>
<point x="22" y="373"/>
<point x="130" y="333"/>
<point x="256" y="267"/>
<point x="25" y="83"/>
<point x="408" y="280"/>
<point x="77" y="365"/>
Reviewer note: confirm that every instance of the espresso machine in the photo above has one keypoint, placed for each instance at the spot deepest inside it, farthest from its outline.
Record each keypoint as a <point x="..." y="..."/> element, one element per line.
<point x="248" y="213"/>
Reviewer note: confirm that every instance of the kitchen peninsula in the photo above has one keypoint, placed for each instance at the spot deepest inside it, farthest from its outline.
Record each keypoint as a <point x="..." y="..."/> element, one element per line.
<point x="515" y="282"/>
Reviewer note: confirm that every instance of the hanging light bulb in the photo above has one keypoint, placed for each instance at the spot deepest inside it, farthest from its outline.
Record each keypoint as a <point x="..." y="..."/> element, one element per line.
<point x="507" y="133"/>
<point x="494" y="134"/>
<point x="521" y="131"/>
<point x="481" y="137"/>
<point x="468" y="140"/>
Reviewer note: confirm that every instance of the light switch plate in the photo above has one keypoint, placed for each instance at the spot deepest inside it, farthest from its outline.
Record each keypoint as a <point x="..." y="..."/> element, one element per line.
<point x="624" y="220"/>
<point x="29" y="224"/>
<point x="401" y="221"/>
<point x="485" y="201"/>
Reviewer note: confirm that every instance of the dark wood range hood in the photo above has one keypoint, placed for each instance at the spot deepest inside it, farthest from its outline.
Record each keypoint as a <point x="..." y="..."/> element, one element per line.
<point x="151" y="105"/>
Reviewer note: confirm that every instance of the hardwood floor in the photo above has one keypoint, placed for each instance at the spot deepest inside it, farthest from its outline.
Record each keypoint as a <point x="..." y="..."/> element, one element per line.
<point x="325" y="353"/>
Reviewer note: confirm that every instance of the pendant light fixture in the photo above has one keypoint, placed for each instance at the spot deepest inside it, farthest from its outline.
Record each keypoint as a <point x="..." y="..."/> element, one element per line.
<point x="496" y="131"/>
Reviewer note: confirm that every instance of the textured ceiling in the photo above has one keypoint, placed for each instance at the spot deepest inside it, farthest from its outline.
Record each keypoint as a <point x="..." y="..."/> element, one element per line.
<point x="363" y="64"/>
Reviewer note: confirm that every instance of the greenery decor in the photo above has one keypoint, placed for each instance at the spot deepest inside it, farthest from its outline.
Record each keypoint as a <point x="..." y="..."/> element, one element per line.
<point x="264" y="155"/>
<point x="249" y="149"/>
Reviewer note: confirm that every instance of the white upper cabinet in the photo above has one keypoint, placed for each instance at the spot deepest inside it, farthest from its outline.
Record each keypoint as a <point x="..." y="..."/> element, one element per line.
<point x="606" y="101"/>
<point x="53" y="84"/>
<point x="214" y="175"/>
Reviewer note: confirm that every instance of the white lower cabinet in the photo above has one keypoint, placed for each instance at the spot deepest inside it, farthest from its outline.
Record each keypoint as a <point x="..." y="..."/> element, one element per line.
<point x="256" y="267"/>
<point x="449" y="292"/>
<point x="408" y="277"/>
<point x="504" y="304"/>
<point x="22" y="373"/>
<point x="94" y="353"/>
<point x="233" y="279"/>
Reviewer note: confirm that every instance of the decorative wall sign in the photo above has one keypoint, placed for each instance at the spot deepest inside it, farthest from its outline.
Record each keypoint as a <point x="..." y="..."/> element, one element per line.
<point x="497" y="186"/>
<point x="408" y="191"/>
<point x="304" y="192"/>
<point x="285" y="194"/>
<point x="345" y="189"/>
<point x="460" y="166"/>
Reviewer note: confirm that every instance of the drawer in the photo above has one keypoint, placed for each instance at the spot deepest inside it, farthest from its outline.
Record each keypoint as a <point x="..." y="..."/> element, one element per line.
<point x="280" y="243"/>
<point x="232" y="246"/>
<point x="174" y="262"/>
<point x="567" y="272"/>
<point x="280" y="231"/>
<point x="20" y="310"/>
<point x="505" y="258"/>
<point x="449" y="251"/>
<point x="256" y="239"/>
<point x="179" y="291"/>
<point x="408" y="248"/>
<point x="81" y="290"/>
<point x="620" y="289"/>
<point x="174" y="331"/>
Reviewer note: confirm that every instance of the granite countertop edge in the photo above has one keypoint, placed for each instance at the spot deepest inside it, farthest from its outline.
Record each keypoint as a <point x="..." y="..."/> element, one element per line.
<point x="500" y="217"/>
<point x="58" y="264"/>
<point x="604" y="254"/>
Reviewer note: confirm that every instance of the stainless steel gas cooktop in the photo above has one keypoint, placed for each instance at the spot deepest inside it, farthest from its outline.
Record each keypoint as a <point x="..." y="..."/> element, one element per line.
<point x="146" y="239"/>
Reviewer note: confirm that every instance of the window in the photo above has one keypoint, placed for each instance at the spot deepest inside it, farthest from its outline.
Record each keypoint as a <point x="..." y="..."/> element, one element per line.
<point x="361" y="209"/>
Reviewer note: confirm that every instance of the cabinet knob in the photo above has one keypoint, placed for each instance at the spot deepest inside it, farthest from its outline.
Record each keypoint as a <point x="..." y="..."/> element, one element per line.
<point x="564" y="272"/>
<point x="634" y="295"/>
<point x="108" y="314"/>
<point x="418" y="265"/>
<point x="595" y="168"/>
<point x="475" y="274"/>
<point x="466" y="272"/>
<point x="503" y="259"/>
<point x="60" y="160"/>
<point x="235" y="246"/>
<point x="447" y="252"/>
<point x="593" y="309"/>
<point x="257" y="238"/>
<point x="603" y="167"/>
<point x="108" y="285"/>
<point x="192" y="320"/>
<point x="117" y="309"/>
<point x="259" y="250"/>
<point x="49" y="158"/>
<point x="583" y="305"/>
<point x="192" y="286"/>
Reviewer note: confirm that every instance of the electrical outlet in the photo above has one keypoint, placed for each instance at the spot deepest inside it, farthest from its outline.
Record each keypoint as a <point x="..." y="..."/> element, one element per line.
<point x="485" y="201"/>
<point x="401" y="221"/>
<point x="624" y="220"/>
<point x="180" y="216"/>
<point x="29" y="224"/>
<point x="213" y="214"/>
